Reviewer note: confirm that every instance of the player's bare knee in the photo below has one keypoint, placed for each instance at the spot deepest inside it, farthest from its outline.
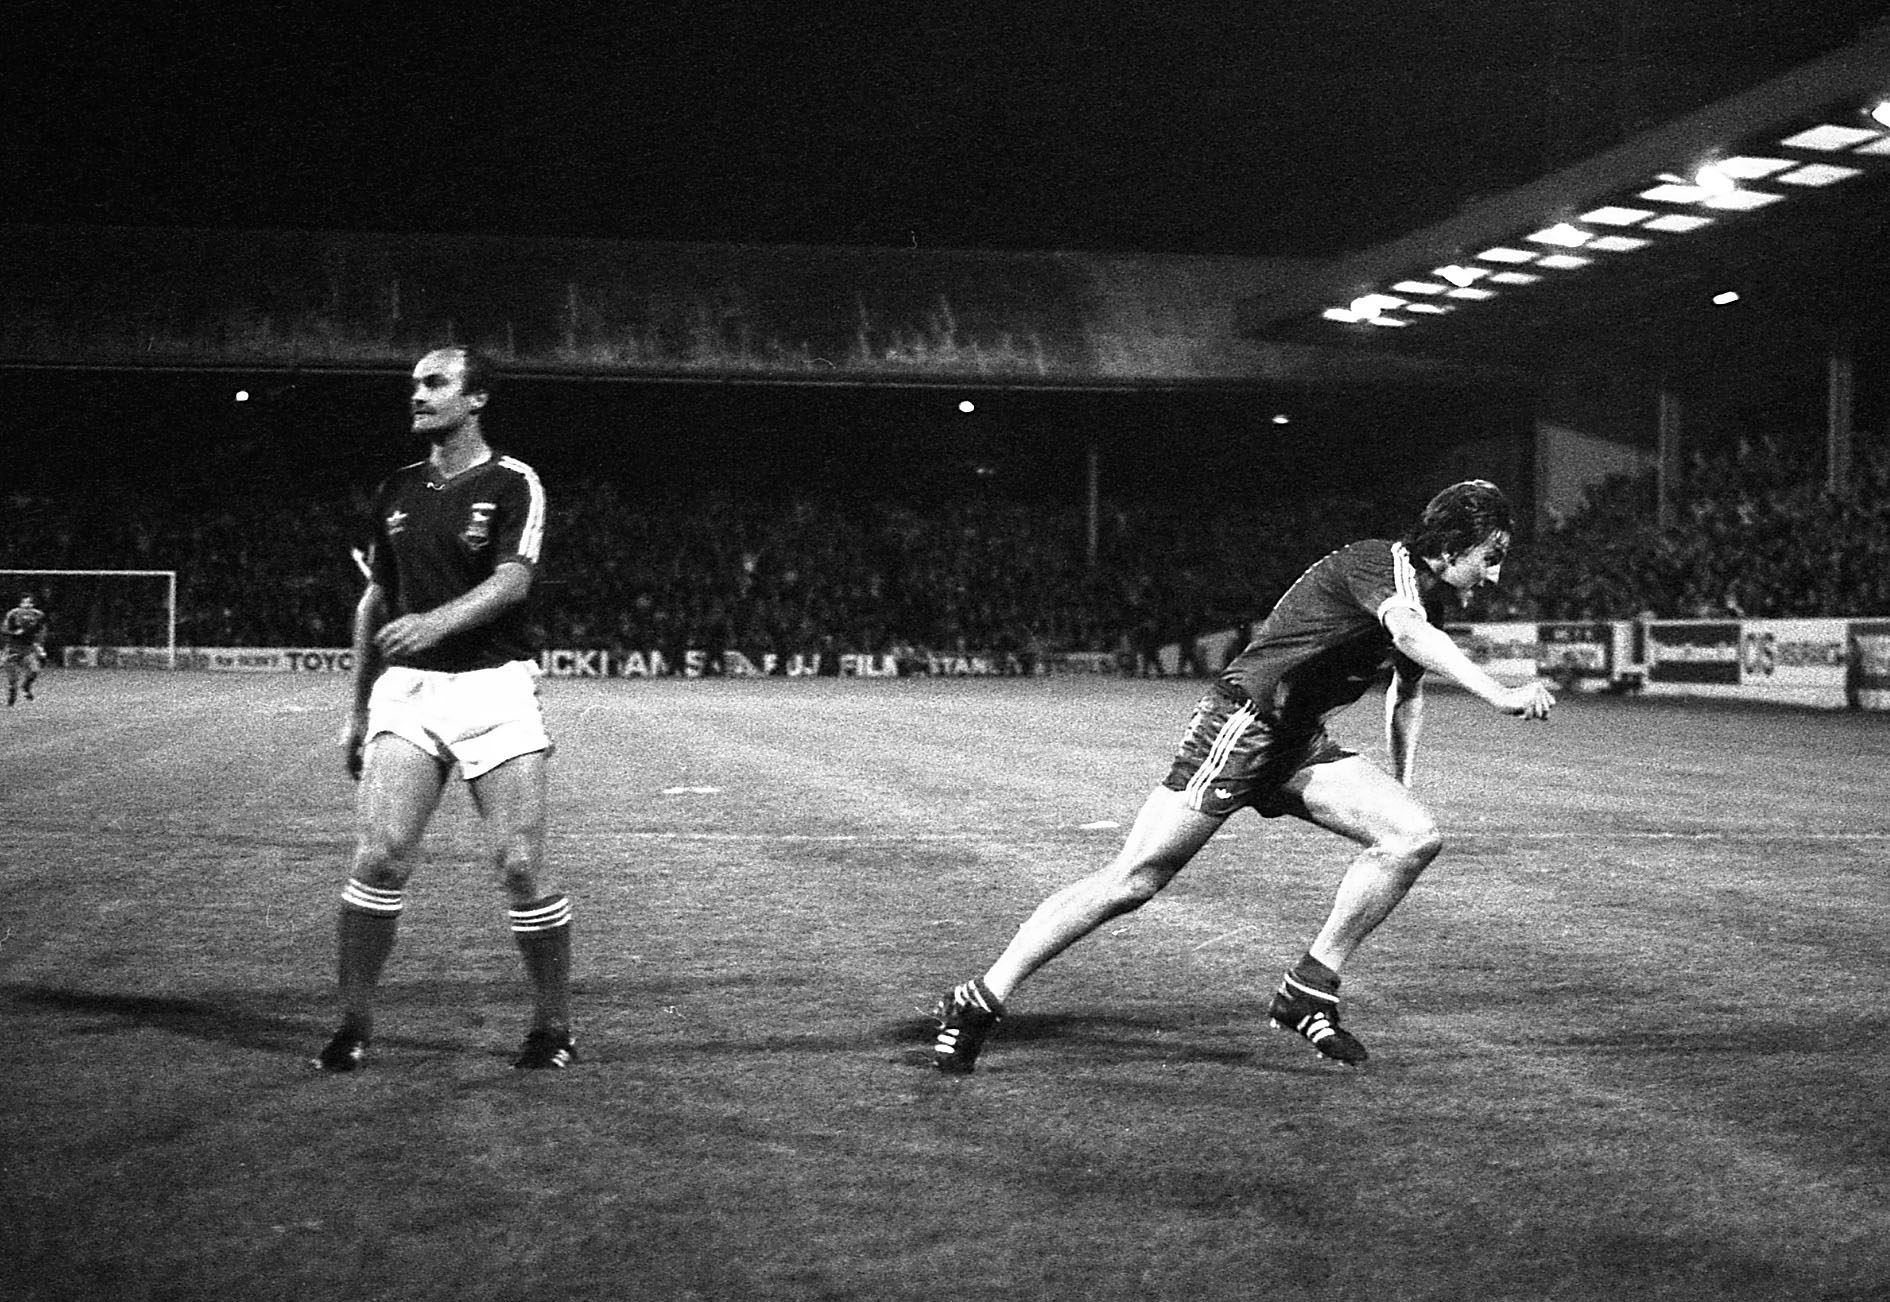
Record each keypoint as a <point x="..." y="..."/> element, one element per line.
<point x="521" y="871"/>
<point x="1413" y="846"/>
<point x="382" y="864"/>
<point x="1130" y="886"/>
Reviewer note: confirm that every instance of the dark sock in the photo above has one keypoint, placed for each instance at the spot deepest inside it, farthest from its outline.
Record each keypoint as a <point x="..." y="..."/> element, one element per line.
<point x="1315" y="974"/>
<point x="981" y="993"/>
<point x="543" y="932"/>
<point x="369" y="925"/>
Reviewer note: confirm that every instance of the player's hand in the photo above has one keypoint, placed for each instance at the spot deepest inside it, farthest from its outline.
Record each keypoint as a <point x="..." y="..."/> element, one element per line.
<point x="408" y="635"/>
<point x="1531" y="700"/>
<point x="354" y="747"/>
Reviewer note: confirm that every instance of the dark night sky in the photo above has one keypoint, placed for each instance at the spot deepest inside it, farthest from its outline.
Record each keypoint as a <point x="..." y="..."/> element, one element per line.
<point x="1247" y="126"/>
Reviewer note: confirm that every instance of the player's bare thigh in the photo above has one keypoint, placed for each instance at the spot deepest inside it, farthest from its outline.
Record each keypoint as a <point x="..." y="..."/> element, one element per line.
<point x="400" y="788"/>
<point x="512" y="801"/>
<point x="1166" y="834"/>
<point x="1360" y="801"/>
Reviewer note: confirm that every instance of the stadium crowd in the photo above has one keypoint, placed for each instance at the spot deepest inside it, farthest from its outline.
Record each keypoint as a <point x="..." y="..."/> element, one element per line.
<point x="972" y="572"/>
<point x="1756" y="534"/>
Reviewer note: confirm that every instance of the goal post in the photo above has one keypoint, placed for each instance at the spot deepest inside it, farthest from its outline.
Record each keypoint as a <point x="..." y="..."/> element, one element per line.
<point x="132" y="626"/>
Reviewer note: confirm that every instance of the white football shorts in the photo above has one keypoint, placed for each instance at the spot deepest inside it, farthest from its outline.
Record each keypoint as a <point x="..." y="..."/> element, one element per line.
<point x="478" y="719"/>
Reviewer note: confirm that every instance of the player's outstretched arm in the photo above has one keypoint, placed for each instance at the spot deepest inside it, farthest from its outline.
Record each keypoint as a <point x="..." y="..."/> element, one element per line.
<point x="1430" y="646"/>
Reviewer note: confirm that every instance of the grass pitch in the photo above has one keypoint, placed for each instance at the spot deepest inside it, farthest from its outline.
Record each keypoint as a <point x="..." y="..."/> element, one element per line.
<point x="1628" y="1033"/>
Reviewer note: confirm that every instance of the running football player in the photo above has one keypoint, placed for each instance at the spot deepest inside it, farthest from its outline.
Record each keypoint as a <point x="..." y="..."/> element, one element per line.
<point x="1258" y="741"/>
<point x="24" y="628"/>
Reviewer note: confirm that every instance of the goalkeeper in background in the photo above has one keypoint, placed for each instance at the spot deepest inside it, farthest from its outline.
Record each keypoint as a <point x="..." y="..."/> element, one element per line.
<point x="25" y="632"/>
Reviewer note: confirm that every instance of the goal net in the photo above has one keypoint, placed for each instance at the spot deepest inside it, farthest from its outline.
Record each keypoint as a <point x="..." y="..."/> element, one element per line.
<point x="117" y="609"/>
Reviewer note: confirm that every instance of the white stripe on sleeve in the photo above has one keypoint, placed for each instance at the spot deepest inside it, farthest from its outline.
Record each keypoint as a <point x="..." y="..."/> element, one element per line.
<point x="532" y="537"/>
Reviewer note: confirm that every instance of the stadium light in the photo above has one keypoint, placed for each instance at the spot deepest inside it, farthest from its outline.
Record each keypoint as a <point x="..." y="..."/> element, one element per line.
<point x="1566" y="234"/>
<point x="1370" y="306"/>
<point x="1643" y="216"/>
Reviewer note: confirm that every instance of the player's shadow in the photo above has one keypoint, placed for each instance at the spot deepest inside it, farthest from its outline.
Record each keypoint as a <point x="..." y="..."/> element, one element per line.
<point x="234" y="1021"/>
<point x="1118" y="1036"/>
<point x="293" y="1021"/>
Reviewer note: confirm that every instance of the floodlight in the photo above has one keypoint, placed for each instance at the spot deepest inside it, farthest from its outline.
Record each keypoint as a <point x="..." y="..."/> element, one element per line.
<point x="1741" y="200"/>
<point x="1828" y="138"/>
<point x="1743" y="168"/>
<point x="1371" y="305"/>
<point x="1674" y="192"/>
<point x="1820" y="174"/>
<point x="1677" y="223"/>
<point x="1613" y="215"/>
<point x="1567" y="234"/>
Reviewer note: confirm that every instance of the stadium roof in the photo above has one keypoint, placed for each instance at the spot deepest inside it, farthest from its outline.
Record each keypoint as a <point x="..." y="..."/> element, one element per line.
<point x="1761" y="221"/>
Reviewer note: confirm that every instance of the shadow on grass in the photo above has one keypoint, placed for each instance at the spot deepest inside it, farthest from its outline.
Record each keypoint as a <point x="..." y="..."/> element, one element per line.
<point x="1110" y="1036"/>
<point x="296" y="1021"/>
<point x="218" y="1019"/>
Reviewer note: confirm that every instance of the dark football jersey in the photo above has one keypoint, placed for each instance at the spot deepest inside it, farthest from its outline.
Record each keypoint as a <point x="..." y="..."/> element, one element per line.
<point x="436" y="539"/>
<point x="23" y="625"/>
<point x="1325" y="641"/>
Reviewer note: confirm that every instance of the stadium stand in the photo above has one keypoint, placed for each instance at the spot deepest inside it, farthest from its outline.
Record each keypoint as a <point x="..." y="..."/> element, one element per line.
<point x="1758" y="538"/>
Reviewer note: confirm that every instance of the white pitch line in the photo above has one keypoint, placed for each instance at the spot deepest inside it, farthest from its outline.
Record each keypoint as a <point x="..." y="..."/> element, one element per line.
<point x="1737" y="834"/>
<point x="1746" y="834"/>
<point x="1226" y="935"/>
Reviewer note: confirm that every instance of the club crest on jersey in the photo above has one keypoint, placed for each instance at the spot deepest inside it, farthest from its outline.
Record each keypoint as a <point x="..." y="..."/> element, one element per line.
<point x="478" y="531"/>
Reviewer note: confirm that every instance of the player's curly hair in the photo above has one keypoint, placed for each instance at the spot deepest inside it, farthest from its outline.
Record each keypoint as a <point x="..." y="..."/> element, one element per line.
<point x="1459" y="518"/>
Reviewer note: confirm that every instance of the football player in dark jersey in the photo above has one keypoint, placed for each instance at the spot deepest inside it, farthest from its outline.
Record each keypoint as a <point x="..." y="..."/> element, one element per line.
<point x="24" y="631"/>
<point x="1258" y="740"/>
<point x="445" y="675"/>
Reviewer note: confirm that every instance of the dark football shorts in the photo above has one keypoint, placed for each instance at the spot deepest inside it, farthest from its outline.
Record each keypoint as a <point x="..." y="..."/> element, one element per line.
<point x="1231" y="758"/>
